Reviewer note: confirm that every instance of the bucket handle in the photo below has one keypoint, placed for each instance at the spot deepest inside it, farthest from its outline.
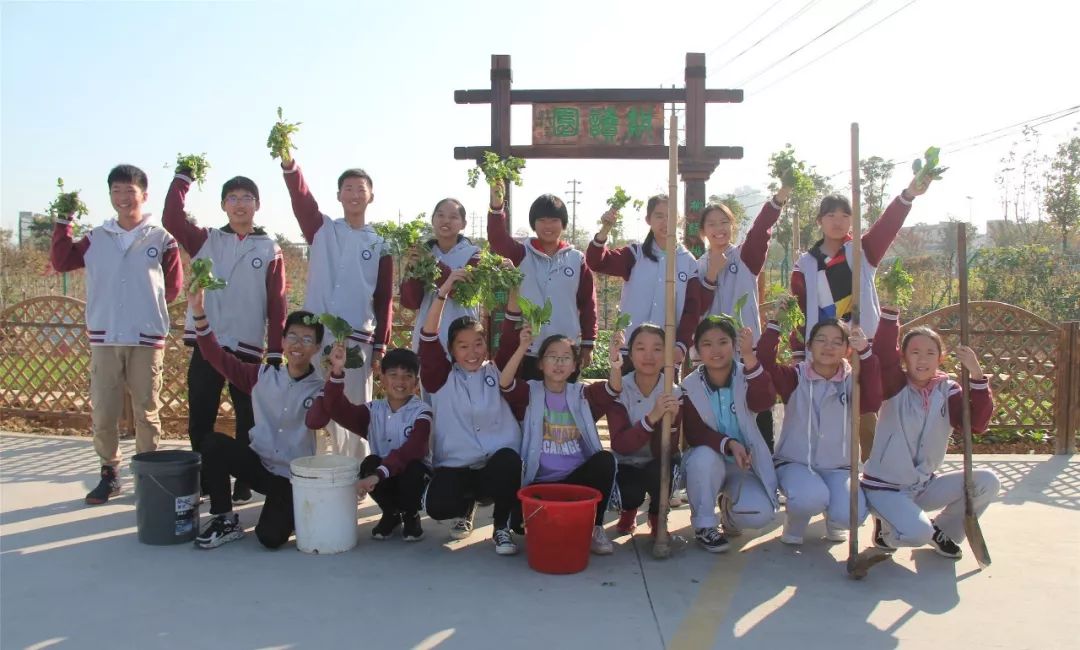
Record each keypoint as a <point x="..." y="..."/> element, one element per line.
<point x="534" y="513"/>
<point x="163" y="488"/>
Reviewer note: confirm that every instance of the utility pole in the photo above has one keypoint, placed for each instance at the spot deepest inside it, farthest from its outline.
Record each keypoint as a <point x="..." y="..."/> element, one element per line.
<point x="574" y="191"/>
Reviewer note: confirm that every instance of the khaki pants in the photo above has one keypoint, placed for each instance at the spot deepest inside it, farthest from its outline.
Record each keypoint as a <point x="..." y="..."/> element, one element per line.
<point x="114" y="372"/>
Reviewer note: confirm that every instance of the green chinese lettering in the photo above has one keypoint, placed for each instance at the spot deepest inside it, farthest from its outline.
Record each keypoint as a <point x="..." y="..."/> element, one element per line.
<point x="567" y="121"/>
<point x="696" y="206"/>
<point x="639" y="121"/>
<point x="603" y="123"/>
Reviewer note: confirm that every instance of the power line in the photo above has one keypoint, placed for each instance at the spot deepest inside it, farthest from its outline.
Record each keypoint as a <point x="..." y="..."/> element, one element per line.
<point x="742" y="29"/>
<point x="804" y="45"/>
<point x="806" y="7"/>
<point x="833" y="49"/>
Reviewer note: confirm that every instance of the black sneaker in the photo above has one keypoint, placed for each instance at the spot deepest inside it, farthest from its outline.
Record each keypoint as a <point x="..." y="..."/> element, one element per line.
<point x="241" y="493"/>
<point x="504" y="542"/>
<point x="944" y="546"/>
<point x="386" y="526"/>
<point x="108" y="486"/>
<point x="879" y="537"/>
<point x="711" y="539"/>
<point x="222" y="529"/>
<point x="411" y="530"/>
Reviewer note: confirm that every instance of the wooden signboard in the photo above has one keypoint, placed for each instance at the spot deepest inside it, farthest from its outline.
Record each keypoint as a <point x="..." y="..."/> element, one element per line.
<point x="606" y="124"/>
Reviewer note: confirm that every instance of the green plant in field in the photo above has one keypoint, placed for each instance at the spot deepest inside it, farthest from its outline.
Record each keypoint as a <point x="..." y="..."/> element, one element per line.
<point x="496" y="169"/>
<point x="280" y="139"/>
<point x="67" y="204"/>
<point x="195" y="165"/>
<point x="484" y="280"/>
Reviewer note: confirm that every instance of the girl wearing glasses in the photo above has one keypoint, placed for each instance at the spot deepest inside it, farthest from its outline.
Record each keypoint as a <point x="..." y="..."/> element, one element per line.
<point x="560" y="443"/>
<point x="812" y="458"/>
<point x="721" y="400"/>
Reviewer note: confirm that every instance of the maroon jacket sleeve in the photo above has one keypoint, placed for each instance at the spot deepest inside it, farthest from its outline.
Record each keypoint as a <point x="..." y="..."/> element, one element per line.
<point x="696" y="296"/>
<point x="601" y="259"/>
<point x="887" y="350"/>
<point x="760" y="393"/>
<point x="586" y="304"/>
<point x="869" y="381"/>
<point x="756" y="247"/>
<point x="798" y="289"/>
<point x="434" y="365"/>
<point x="982" y="405"/>
<point x="698" y="433"/>
<point x="354" y="417"/>
<point x="305" y="208"/>
<point x="601" y="400"/>
<point x="318" y="416"/>
<point x="415" y="447"/>
<point x="383" y="302"/>
<point x="509" y="339"/>
<point x="500" y="239"/>
<point x="241" y="374"/>
<point x="880" y="236"/>
<point x="785" y="378"/>
<point x="276" y="305"/>
<point x="66" y="254"/>
<point x="173" y="269"/>
<point x="173" y="218"/>
<point x="413" y="290"/>
<point x="517" y="397"/>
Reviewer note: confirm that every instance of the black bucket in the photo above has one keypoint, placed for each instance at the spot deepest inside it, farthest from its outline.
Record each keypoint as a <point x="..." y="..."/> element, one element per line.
<point x="166" y="496"/>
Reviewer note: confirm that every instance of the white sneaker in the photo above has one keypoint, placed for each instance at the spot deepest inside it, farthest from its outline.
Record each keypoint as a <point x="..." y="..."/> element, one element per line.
<point x="504" y="542"/>
<point x="789" y="539"/>
<point x="600" y="545"/>
<point x="835" y="533"/>
<point x="726" y="520"/>
<point x="463" y="526"/>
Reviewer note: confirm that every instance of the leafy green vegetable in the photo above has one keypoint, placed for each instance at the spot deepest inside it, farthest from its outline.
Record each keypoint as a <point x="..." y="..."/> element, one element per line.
<point x="400" y="239"/>
<point x="619" y="199"/>
<point x="484" y="280"/>
<point x="928" y="169"/>
<point x="737" y="316"/>
<point x="341" y="330"/>
<point x="786" y="168"/>
<point x="202" y="270"/>
<point x="67" y="204"/>
<point x="495" y="169"/>
<point x="790" y="317"/>
<point x="425" y="269"/>
<point x="898" y="284"/>
<point x="280" y="140"/>
<point x="622" y="321"/>
<point x="535" y="315"/>
<point x="196" y="164"/>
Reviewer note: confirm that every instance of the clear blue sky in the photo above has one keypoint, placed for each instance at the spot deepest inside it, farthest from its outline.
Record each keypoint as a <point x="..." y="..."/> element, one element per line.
<point x="86" y="85"/>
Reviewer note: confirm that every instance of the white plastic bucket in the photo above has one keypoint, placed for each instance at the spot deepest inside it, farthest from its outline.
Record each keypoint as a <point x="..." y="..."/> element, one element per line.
<point x="324" y="503"/>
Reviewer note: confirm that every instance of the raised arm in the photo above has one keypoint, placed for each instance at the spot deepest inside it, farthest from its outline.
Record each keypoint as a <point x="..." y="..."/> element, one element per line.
<point x="880" y="236"/>
<point x="305" y="208"/>
<point x="276" y="306"/>
<point x="173" y="269"/>
<point x="601" y="259"/>
<point x="354" y="417"/>
<point x="66" y="254"/>
<point x="513" y="345"/>
<point x="785" y="378"/>
<point x="980" y="397"/>
<point x="434" y="365"/>
<point x="869" y="372"/>
<point x="760" y="393"/>
<point x="586" y="304"/>
<point x="174" y="218"/>
<point x="756" y="247"/>
<point x="887" y="350"/>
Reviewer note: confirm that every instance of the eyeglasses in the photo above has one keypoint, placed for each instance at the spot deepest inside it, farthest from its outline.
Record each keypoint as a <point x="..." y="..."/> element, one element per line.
<point x="294" y="339"/>
<point x="246" y="200"/>
<point x="559" y="360"/>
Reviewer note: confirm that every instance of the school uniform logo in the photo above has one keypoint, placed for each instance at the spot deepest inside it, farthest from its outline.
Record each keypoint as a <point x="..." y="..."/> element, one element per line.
<point x="733" y="268"/>
<point x="843" y="399"/>
<point x="683" y="277"/>
<point x="152" y="252"/>
<point x="366" y="255"/>
<point x="733" y="407"/>
<point x="490" y="381"/>
<point x="407" y="432"/>
<point x="568" y="272"/>
<point x="256" y="263"/>
<point x="308" y="402"/>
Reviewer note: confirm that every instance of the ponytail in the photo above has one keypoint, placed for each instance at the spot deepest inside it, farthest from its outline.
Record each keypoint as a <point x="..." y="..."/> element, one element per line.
<point x="647" y="245"/>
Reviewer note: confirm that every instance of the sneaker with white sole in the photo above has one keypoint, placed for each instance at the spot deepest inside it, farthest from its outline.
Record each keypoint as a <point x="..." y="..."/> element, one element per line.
<point x="411" y="530"/>
<point x="463" y="526"/>
<point x="945" y="546"/>
<point x="504" y="542"/>
<point x="600" y="544"/>
<point x="711" y="539"/>
<point x="388" y="523"/>
<point x="221" y="530"/>
<point x="726" y="518"/>
<point x="835" y="533"/>
<point x="879" y="537"/>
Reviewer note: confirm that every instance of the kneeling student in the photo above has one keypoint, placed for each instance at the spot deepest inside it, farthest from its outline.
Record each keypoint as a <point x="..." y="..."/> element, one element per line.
<point x="397" y="429"/>
<point x="284" y="403"/>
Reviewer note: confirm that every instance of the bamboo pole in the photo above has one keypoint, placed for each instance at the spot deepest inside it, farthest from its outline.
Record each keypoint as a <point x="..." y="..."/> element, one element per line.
<point x="662" y="546"/>
<point x="856" y="304"/>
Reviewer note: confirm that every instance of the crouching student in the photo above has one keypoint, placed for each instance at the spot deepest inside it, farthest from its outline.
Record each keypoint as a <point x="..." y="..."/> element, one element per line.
<point x="397" y="428"/>
<point x="284" y="403"/>
<point x="923" y="406"/>
<point x="560" y="443"/>
<point x="637" y="446"/>
<point x="476" y="441"/>
<point x="721" y="400"/>
<point x="813" y="455"/>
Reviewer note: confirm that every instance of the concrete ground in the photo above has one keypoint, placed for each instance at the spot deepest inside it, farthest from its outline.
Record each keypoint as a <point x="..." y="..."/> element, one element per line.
<point x="73" y="576"/>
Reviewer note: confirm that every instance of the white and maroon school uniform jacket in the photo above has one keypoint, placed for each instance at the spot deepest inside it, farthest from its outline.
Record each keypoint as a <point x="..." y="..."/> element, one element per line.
<point x="350" y="271"/>
<point x="817" y="414"/>
<point x="472" y="420"/>
<point x="414" y="295"/>
<point x="131" y="276"/>
<point x="639" y="442"/>
<point x="643" y="289"/>
<point x="397" y="437"/>
<point x="286" y="409"/>
<point x="744" y="264"/>
<point x="251" y="308"/>
<point x="564" y="278"/>
<point x="752" y="393"/>
<point x="914" y="425"/>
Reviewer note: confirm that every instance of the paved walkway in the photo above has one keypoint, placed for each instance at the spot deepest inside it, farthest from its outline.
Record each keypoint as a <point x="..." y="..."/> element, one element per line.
<point x="75" y="577"/>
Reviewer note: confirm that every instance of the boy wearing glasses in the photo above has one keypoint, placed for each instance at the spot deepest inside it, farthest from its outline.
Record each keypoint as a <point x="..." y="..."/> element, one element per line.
<point x="287" y="410"/>
<point x="247" y="312"/>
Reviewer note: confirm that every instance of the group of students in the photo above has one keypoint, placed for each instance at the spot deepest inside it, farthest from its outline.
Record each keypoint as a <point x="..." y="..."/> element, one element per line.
<point x="459" y="427"/>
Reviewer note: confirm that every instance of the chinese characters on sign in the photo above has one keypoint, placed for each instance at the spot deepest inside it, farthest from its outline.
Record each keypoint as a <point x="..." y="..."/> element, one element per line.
<point x="613" y="123"/>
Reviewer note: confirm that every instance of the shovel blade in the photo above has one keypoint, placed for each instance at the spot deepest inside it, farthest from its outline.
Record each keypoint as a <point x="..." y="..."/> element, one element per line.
<point x="976" y="541"/>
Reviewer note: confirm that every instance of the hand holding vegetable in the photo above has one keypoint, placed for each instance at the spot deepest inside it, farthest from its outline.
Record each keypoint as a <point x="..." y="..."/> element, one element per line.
<point x="495" y="169"/>
<point x="341" y="330"/>
<point x="857" y="340"/>
<point x="280" y="140"/>
<point x="194" y="166"/>
<point x="337" y="358"/>
<point x="67" y="205"/>
<point x="525" y="339"/>
<point x="497" y="195"/>
<point x="457" y="275"/>
<point x="744" y="340"/>
<point x="618" y="339"/>
<point x="203" y="276"/>
<point x="926" y="170"/>
<point x="534" y="315"/>
<point x="196" y="301"/>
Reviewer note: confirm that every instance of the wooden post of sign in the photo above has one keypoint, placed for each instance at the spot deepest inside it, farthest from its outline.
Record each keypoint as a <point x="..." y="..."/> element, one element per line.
<point x="856" y="305"/>
<point x="501" y="79"/>
<point x="661" y="545"/>
<point x="694" y="175"/>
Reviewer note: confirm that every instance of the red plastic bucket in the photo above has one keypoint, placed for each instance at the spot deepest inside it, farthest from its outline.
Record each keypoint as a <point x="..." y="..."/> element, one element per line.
<point x="558" y="525"/>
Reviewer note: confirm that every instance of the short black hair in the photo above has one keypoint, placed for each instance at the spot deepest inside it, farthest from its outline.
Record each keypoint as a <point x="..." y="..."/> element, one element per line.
<point x="461" y="324"/>
<point x="548" y="205"/>
<point x="239" y="183"/>
<point x="845" y="329"/>
<point x="128" y="174"/>
<point x="355" y="172"/>
<point x="555" y="338"/>
<point x="832" y="203"/>
<point x="402" y="358"/>
<point x="301" y="318"/>
<point x="646" y="328"/>
<point x="460" y="208"/>
<point x="721" y="322"/>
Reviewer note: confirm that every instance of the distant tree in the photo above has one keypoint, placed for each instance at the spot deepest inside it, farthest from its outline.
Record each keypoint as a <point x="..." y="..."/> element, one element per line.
<point x="1062" y="196"/>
